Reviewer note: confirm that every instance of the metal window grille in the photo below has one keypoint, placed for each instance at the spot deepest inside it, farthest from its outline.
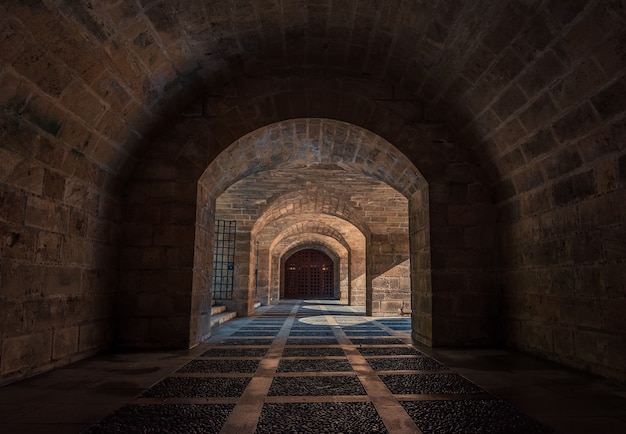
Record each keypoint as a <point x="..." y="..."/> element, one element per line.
<point x="224" y="259"/>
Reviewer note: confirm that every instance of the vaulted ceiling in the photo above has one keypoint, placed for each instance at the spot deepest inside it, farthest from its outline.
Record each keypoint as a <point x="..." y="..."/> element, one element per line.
<point x="498" y="83"/>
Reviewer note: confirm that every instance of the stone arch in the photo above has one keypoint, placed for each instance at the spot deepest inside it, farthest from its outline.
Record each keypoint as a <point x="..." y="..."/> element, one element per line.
<point x="315" y="245"/>
<point x="345" y="240"/>
<point x="304" y="143"/>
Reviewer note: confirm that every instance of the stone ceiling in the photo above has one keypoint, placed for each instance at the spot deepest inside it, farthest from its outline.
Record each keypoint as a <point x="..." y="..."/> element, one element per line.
<point x="512" y="79"/>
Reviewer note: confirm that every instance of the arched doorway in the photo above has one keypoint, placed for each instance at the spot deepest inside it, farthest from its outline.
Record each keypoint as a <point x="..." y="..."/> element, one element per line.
<point x="309" y="274"/>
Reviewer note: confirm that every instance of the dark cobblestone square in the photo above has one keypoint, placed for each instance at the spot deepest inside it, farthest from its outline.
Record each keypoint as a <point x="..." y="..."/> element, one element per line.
<point x="366" y="332"/>
<point x="252" y="333"/>
<point x="406" y="364"/>
<point x="471" y="416"/>
<point x="235" y="352"/>
<point x="328" y="333"/>
<point x="220" y="366"/>
<point x="194" y="387"/>
<point x="389" y="351"/>
<point x="376" y="341"/>
<point x="312" y="341"/>
<point x="428" y="383"/>
<point x="164" y="418"/>
<point x="314" y="365"/>
<point x="320" y="417"/>
<point x="312" y="352"/>
<point x="316" y="386"/>
<point x="249" y="341"/>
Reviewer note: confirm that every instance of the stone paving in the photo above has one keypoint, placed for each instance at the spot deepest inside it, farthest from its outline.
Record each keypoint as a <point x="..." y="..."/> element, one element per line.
<point x="324" y="368"/>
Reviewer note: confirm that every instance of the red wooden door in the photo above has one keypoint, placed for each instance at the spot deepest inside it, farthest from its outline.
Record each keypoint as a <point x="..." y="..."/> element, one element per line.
<point x="309" y="273"/>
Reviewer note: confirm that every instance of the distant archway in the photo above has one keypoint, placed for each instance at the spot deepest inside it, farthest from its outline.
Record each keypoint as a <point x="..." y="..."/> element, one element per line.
<point x="309" y="274"/>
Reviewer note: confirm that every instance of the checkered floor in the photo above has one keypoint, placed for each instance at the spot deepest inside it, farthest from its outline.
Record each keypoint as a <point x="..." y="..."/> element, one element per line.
<point x="315" y="367"/>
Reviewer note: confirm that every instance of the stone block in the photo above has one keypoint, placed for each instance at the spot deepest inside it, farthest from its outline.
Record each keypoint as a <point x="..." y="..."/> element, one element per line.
<point x="541" y="143"/>
<point x="53" y="185"/>
<point x="505" y="190"/>
<point x="46" y="214"/>
<point x="574" y="188"/>
<point x="614" y="321"/>
<point x="181" y="257"/>
<point x="509" y="102"/>
<point x="560" y="281"/>
<point x="12" y="206"/>
<point x="593" y="346"/>
<point x="564" y="162"/>
<point x="509" y="134"/>
<point x="134" y="234"/>
<point x="528" y="180"/>
<point x="82" y="102"/>
<point x="563" y="341"/>
<point x="80" y="195"/>
<point x="448" y="282"/>
<point x="613" y="243"/>
<point x="44" y="313"/>
<point x="536" y="202"/>
<point x="589" y="31"/>
<point x="12" y="318"/>
<point x="28" y="177"/>
<point x="173" y="235"/>
<point x="24" y="353"/>
<point x="574" y="124"/>
<point x="545" y="71"/>
<point x="11" y="40"/>
<point x="511" y="160"/>
<point x="172" y="332"/>
<point x="77" y="251"/>
<point x="49" y="247"/>
<point x="622" y="171"/>
<point x="606" y="176"/>
<point x="578" y="84"/>
<point x="98" y="229"/>
<point x="610" y="54"/>
<point x="53" y="79"/>
<point x="50" y="152"/>
<point x="17" y="242"/>
<point x="65" y="343"/>
<point x="95" y="335"/>
<point x="540" y="114"/>
<point x="611" y="101"/>
<point x="470" y="215"/>
<point x="134" y="332"/>
<point x="537" y="336"/>
<point x="616" y="280"/>
<point x="61" y="281"/>
<point x="543" y="307"/>
<point x="581" y="312"/>
<point x="18" y="280"/>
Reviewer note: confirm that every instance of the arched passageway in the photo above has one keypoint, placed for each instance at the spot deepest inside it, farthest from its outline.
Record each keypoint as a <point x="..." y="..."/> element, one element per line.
<point x="300" y="191"/>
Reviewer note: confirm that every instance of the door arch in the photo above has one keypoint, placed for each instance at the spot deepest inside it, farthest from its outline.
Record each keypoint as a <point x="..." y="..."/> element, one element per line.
<point x="309" y="274"/>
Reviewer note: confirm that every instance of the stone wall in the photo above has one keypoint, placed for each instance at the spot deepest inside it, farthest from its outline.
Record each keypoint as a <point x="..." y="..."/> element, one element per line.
<point x="59" y="224"/>
<point x="561" y="197"/>
<point x="563" y="260"/>
<point x="154" y="302"/>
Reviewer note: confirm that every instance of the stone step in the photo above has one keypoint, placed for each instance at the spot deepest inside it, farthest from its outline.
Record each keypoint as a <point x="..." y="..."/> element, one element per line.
<point x="257" y="305"/>
<point x="217" y="308"/>
<point x="221" y="318"/>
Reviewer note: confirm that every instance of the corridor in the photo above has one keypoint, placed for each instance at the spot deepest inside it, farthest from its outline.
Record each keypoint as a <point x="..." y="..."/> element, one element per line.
<point x="312" y="367"/>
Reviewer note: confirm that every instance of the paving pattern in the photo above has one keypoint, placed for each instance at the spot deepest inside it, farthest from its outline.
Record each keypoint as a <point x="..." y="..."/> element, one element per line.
<point x="315" y="368"/>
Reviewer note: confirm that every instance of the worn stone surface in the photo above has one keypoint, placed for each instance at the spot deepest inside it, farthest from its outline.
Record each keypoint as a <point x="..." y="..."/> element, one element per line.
<point x="111" y="114"/>
<point x="492" y="416"/>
